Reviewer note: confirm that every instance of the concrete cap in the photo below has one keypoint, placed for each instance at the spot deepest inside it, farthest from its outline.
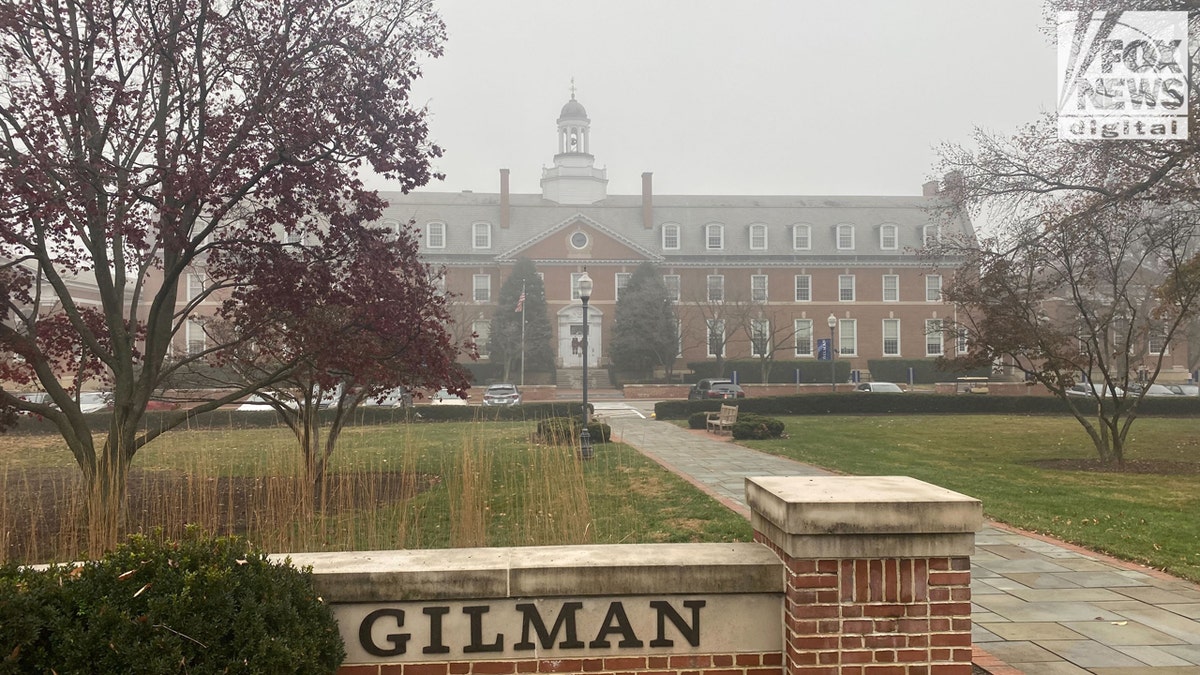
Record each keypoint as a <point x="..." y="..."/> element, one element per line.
<point x="858" y="505"/>
<point x="375" y="576"/>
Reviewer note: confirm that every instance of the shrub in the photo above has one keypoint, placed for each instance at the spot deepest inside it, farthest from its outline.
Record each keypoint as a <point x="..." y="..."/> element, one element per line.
<point x="757" y="428"/>
<point x="566" y="430"/>
<point x="698" y="420"/>
<point x="202" y="605"/>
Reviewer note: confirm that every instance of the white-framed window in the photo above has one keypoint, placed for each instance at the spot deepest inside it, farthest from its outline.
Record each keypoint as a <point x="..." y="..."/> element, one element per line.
<point x="758" y="237"/>
<point x="845" y="237"/>
<point x="575" y="277"/>
<point x="891" y="337"/>
<point x="758" y="288"/>
<point x="671" y="281"/>
<point x="197" y="339"/>
<point x="888" y="238"/>
<point x="481" y="235"/>
<point x="439" y="281"/>
<point x="716" y="288"/>
<point x="801" y="237"/>
<point x="716" y="337"/>
<point x="760" y="337"/>
<point x="481" y="285"/>
<point x="1157" y="342"/>
<point x="435" y="235"/>
<point x="714" y="236"/>
<point x="963" y="345"/>
<point x="483" y="331"/>
<point x="891" y="288"/>
<point x="295" y="238"/>
<point x="804" y="336"/>
<point x="670" y="237"/>
<point x="933" y="288"/>
<point x="848" y="337"/>
<point x="803" y="288"/>
<point x="196" y="281"/>
<point x="846" y="288"/>
<point x="930" y="235"/>
<point x="621" y="280"/>
<point x="934" y="337"/>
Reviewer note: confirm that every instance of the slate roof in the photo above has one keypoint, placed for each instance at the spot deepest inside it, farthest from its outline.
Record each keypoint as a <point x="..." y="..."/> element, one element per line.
<point x="533" y="218"/>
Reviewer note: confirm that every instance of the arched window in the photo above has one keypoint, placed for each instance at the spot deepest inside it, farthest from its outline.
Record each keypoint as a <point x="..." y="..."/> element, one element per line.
<point x="845" y="237"/>
<point x="714" y="236"/>
<point x="670" y="237"/>
<point x="888" y="238"/>
<point x="758" y="237"/>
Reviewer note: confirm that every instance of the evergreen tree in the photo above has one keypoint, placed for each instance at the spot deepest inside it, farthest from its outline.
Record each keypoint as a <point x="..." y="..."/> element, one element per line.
<point x="646" y="333"/>
<point x="505" y="340"/>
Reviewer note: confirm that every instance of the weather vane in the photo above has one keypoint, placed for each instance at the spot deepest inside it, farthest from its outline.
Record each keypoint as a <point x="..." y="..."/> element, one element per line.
<point x="572" y="87"/>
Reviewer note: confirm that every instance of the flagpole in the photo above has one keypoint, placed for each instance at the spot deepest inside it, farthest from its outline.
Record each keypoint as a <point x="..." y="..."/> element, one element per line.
<point x="523" y="333"/>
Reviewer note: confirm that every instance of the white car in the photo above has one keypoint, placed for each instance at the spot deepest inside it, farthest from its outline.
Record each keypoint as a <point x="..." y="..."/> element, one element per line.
<point x="1094" y="390"/>
<point x="880" y="387"/>
<point x="444" y="397"/>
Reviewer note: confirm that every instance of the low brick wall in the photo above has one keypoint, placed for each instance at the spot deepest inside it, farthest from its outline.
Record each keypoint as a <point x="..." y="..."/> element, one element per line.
<point x="853" y="576"/>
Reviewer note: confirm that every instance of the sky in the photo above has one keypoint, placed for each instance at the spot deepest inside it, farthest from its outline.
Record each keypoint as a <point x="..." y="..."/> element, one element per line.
<point x="769" y="97"/>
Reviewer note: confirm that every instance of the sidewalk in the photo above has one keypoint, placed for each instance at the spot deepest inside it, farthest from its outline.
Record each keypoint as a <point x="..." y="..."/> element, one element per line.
<point x="1040" y="606"/>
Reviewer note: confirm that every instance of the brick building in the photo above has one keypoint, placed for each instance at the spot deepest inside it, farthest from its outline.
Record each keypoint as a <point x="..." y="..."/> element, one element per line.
<point x="748" y="272"/>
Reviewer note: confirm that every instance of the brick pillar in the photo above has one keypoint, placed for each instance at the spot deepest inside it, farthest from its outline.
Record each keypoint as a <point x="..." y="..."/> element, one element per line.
<point x="878" y="579"/>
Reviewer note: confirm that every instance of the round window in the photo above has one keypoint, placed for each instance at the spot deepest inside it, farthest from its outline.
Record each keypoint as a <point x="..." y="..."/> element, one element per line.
<point x="579" y="240"/>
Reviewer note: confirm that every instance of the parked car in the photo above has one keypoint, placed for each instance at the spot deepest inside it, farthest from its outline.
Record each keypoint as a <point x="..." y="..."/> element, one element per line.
<point x="1094" y="390"/>
<point x="700" y="389"/>
<point x="1185" y="389"/>
<point x="95" y="401"/>
<point x="501" y="395"/>
<point x="444" y="397"/>
<point x="882" y="387"/>
<point x="1150" y="389"/>
<point x="729" y="390"/>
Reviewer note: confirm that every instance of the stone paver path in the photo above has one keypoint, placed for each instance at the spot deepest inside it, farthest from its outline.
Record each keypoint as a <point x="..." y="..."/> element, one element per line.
<point x="1043" y="607"/>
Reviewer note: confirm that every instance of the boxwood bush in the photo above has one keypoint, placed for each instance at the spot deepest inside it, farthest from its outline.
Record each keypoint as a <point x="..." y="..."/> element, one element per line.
<point x="567" y="430"/>
<point x="756" y="428"/>
<point x="202" y="605"/>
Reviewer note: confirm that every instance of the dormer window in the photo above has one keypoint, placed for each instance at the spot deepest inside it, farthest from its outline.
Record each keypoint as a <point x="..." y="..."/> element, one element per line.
<point x="670" y="237"/>
<point x="845" y="237"/>
<point x="714" y="236"/>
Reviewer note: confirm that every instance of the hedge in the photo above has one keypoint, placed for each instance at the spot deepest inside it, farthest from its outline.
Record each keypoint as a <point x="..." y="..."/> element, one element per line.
<point x="913" y="403"/>
<point x="201" y="605"/>
<point x="363" y="416"/>
<point x="783" y="371"/>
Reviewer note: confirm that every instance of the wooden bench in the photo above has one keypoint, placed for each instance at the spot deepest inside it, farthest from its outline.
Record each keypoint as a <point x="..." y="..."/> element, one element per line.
<point x="723" y="419"/>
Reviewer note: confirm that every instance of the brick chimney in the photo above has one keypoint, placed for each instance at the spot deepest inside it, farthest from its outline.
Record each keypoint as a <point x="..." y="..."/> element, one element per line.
<point x="647" y="200"/>
<point x="504" y="199"/>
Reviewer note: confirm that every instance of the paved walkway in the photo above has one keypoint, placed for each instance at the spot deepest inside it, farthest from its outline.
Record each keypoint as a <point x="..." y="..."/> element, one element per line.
<point x="1040" y="606"/>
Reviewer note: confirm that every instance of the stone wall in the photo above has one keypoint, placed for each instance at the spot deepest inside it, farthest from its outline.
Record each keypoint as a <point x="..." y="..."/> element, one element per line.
<point x="854" y="576"/>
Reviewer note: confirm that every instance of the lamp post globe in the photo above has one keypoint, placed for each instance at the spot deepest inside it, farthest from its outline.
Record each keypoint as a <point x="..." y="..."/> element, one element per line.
<point x="585" y="294"/>
<point x="832" y="322"/>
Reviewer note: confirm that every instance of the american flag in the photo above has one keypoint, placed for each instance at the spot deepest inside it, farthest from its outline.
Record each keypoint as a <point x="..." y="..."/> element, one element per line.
<point x="521" y="302"/>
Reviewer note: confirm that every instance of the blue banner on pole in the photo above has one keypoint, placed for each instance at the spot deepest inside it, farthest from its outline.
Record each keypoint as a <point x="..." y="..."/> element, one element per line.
<point x="823" y="351"/>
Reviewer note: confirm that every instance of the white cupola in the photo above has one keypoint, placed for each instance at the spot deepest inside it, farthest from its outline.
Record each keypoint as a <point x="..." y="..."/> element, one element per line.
<point x="574" y="179"/>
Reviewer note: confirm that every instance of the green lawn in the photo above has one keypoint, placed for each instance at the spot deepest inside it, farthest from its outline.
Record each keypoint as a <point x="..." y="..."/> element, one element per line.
<point x="1148" y="518"/>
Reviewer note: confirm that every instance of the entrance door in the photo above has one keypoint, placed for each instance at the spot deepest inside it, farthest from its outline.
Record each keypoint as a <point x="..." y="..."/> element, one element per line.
<point x="570" y="337"/>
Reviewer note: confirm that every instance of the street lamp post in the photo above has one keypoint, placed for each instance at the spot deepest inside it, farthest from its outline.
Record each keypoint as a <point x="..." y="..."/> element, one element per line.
<point x="585" y="438"/>
<point x="832" y="321"/>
